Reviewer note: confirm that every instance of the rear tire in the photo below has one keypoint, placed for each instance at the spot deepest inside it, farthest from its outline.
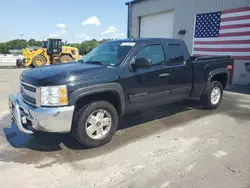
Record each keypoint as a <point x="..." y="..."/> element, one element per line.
<point x="213" y="97"/>
<point x="81" y="126"/>
<point x="65" y="59"/>
<point x="38" y="61"/>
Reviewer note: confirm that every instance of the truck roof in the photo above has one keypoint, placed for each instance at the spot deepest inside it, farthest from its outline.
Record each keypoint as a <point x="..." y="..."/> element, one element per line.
<point x="168" y="40"/>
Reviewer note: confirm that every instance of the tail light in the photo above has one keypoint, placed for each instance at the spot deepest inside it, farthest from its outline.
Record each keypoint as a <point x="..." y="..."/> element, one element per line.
<point x="231" y="67"/>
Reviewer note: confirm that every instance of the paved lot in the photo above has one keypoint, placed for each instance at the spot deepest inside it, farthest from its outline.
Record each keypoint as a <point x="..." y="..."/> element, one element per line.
<point x="170" y="146"/>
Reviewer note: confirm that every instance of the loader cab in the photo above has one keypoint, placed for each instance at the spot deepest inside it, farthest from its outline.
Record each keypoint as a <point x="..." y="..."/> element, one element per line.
<point x="54" y="46"/>
<point x="44" y="44"/>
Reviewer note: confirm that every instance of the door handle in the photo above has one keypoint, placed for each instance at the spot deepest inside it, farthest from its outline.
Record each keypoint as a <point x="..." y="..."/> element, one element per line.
<point x="164" y="75"/>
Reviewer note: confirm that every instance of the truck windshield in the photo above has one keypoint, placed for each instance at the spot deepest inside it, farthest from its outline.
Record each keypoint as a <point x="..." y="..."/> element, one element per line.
<point x="110" y="53"/>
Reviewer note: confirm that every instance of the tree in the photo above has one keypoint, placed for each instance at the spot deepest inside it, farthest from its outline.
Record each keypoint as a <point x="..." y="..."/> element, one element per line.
<point x="17" y="44"/>
<point x="3" y="48"/>
<point x="37" y="43"/>
<point x="104" y="40"/>
<point x="84" y="47"/>
<point x="31" y="42"/>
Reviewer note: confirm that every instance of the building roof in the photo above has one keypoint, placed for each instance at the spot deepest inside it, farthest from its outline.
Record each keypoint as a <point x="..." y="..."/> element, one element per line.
<point x="134" y="2"/>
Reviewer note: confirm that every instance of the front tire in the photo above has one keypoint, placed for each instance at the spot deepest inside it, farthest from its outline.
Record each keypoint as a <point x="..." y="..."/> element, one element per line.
<point x="19" y="63"/>
<point x="95" y="123"/>
<point x="23" y="62"/>
<point x="38" y="61"/>
<point x="213" y="97"/>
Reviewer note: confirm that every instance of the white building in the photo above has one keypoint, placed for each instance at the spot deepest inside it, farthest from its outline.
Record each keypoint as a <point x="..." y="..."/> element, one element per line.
<point x="176" y="18"/>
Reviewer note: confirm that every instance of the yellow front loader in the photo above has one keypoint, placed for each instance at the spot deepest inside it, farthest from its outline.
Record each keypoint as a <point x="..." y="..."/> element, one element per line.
<point x="51" y="52"/>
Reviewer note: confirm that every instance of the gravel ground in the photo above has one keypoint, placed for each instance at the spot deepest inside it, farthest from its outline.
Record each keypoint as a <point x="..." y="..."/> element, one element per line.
<point x="171" y="146"/>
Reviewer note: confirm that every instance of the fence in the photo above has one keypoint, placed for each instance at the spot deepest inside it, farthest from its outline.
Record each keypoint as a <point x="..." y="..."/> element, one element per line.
<point x="8" y="60"/>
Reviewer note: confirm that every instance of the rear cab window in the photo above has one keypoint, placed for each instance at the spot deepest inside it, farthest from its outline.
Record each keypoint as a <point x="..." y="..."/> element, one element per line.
<point x="175" y="55"/>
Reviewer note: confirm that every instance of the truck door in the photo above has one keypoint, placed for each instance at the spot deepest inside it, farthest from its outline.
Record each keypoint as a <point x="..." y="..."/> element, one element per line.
<point x="149" y="86"/>
<point x="181" y="71"/>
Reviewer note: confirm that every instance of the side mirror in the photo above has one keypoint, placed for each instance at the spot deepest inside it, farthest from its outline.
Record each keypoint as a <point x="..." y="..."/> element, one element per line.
<point x="142" y="63"/>
<point x="80" y="61"/>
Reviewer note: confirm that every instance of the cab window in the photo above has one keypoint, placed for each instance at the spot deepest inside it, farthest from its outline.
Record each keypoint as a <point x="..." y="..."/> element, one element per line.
<point x="154" y="53"/>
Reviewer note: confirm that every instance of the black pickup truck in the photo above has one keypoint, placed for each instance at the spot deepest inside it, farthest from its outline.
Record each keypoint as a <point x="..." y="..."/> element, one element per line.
<point x="86" y="97"/>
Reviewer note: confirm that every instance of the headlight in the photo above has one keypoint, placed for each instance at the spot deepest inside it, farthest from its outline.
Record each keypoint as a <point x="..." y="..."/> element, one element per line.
<point x="54" y="96"/>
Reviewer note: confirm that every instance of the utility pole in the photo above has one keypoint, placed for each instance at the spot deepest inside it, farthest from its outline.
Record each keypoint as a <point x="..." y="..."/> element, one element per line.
<point x="129" y="19"/>
<point x="72" y="36"/>
<point x="21" y="42"/>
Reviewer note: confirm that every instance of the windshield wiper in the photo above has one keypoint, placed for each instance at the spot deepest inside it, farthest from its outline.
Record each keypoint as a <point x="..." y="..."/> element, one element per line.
<point x="99" y="63"/>
<point x="95" y="62"/>
<point x="80" y="61"/>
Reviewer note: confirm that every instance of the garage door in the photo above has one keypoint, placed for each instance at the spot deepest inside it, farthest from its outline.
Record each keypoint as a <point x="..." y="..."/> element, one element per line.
<point x="157" y="25"/>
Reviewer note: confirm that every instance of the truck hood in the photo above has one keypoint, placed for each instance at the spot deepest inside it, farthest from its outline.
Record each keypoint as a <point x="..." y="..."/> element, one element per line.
<point x="44" y="75"/>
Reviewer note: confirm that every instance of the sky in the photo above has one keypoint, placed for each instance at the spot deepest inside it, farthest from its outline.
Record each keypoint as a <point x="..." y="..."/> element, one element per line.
<point x="75" y="20"/>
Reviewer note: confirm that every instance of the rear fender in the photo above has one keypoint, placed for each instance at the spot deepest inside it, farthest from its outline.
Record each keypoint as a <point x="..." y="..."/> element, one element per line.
<point x="212" y="74"/>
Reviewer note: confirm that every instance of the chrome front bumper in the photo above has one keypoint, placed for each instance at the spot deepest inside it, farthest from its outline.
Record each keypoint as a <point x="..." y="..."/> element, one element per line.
<point x="57" y="119"/>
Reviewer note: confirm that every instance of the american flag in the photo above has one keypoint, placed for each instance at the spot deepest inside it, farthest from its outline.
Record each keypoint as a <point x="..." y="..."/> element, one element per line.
<point x="223" y="33"/>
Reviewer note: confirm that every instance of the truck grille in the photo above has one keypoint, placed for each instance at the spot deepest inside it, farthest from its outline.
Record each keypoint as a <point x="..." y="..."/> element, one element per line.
<point x="29" y="93"/>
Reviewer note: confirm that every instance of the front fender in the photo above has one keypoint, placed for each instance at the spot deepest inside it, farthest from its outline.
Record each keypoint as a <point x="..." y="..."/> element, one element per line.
<point x="89" y="90"/>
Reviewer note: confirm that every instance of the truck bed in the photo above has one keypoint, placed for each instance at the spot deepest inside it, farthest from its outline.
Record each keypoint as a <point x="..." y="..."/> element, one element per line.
<point x="197" y="58"/>
<point x="203" y="66"/>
